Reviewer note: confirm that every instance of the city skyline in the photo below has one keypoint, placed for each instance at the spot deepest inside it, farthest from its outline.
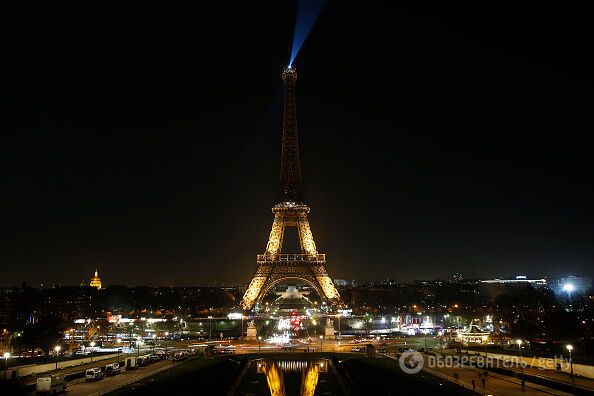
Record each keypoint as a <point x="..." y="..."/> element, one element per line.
<point x="415" y="164"/>
<point x="304" y="197"/>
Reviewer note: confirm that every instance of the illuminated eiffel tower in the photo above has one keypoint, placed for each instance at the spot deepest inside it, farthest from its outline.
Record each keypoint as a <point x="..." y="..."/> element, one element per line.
<point x="308" y="265"/>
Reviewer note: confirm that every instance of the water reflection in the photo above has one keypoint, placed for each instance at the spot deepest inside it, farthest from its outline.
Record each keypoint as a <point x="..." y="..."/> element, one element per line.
<point x="274" y="371"/>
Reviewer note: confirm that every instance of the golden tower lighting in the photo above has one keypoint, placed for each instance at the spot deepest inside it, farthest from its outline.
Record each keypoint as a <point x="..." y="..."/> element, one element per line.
<point x="308" y="265"/>
<point x="95" y="280"/>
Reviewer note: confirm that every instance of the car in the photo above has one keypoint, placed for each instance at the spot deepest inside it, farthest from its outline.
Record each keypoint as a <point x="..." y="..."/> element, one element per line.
<point x="144" y="360"/>
<point x="159" y="355"/>
<point x="93" y="374"/>
<point x="383" y="350"/>
<point x="179" y="356"/>
<point x="356" y="349"/>
<point x="112" y="369"/>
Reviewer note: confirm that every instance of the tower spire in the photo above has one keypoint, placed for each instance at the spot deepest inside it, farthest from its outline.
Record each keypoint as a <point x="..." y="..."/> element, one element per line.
<point x="290" y="172"/>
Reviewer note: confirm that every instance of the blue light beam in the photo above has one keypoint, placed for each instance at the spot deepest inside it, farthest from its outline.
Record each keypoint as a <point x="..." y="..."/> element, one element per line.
<point x="307" y="14"/>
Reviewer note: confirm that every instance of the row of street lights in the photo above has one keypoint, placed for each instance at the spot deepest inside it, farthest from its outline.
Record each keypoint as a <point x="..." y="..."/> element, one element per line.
<point x="569" y="349"/>
<point x="6" y="357"/>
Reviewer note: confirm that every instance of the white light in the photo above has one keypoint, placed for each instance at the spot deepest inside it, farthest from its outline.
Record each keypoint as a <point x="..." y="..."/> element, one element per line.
<point x="568" y="287"/>
<point x="57" y="348"/>
<point x="235" y="315"/>
<point x="6" y="355"/>
<point x="569" y="348"/>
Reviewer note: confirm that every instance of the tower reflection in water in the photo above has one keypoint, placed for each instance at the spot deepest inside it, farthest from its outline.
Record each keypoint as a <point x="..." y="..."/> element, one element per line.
<point x="310" y="371"/>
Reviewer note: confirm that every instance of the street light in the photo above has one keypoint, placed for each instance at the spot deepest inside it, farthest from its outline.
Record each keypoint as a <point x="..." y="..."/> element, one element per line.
<point x="485" y="341"/>
<point x="6" y="356"/>
<point x="569" y="349"/>
<point x="57" y="349"/>
<point x="321" y="341"/>
<point x="259" y="343"/>
<point x="519" y="342"/>
<point x="210" y="327"/>
<point x="119" y="341"/>
<point x="130" y="324"/>
<point x="138" y="338"/>
<point x="92" y="344"/>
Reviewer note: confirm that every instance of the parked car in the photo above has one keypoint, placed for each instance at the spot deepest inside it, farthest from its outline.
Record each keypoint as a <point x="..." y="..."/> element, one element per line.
<point x="93" y="374"/>
<point x="112" y="369"/>
<point x="144" y="360"/>
<point x="382" y="350"/>
<point x="180" y="356"/>
<point x="356" y="349"/>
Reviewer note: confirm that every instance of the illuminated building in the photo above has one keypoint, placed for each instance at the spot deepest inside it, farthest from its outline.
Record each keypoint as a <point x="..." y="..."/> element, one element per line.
<point x="492" y="288"/>
<point x="473" y="335"/>
<point x="308" y="265"/>
<point x="95" y="280"/>
<point x="570" y="285"/>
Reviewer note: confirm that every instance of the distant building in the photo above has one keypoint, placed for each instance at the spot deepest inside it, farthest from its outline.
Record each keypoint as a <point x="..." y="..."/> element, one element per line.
<point x="95" y="280"/>
<point x="570" y="285"/>
<point x="456" y="277"/>
<point x="493" y="288"/>
<point x="341" y="282"/>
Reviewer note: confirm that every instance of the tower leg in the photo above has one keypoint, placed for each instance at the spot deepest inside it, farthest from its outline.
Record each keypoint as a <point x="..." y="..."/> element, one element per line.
<point x="253" y="291"/>
<point x="275" y="241"/>
<point x="326" y="284"/>
<point x="306" y="240"/>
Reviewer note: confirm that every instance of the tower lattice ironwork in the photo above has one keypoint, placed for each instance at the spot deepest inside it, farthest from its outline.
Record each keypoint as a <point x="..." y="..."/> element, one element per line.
<point x="308" y="266"/>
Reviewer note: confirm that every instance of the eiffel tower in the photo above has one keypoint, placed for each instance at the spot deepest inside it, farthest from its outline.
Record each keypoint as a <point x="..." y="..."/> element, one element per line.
<point x="308" y="265"/>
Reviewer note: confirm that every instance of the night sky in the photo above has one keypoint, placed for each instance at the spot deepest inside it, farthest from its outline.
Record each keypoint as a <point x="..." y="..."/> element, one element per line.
<point x="145" y="141"/>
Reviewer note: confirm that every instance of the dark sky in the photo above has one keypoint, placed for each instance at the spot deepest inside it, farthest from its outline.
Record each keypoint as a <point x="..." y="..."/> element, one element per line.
<point x="145" y="140"/>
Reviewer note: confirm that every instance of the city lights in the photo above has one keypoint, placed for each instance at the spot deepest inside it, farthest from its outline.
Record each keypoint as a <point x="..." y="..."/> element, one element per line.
<point x="442" y="160"/>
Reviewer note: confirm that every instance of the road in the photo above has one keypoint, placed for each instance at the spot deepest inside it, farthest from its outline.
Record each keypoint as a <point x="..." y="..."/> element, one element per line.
<point x="80" y="387"/>
<point x="28" y="381"/>
<point x="32" y="380"/>
<point x="495" y="384"/>
<point x="557" y="376"/>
